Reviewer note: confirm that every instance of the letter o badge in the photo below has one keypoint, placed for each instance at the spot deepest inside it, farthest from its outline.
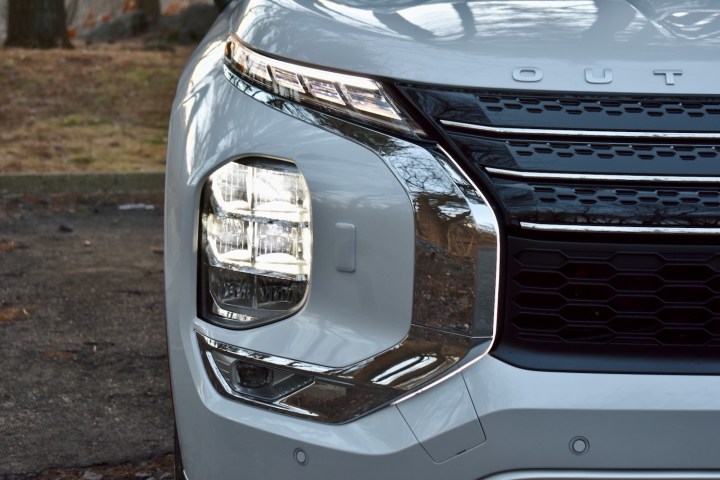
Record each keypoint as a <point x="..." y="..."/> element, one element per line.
<point x="527" y="74"/>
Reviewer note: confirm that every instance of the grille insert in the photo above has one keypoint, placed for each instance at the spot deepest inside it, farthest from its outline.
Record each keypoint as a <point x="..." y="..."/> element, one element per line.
<point x="642" y="205"/>
<point x="619" y="307"/>
<point x="602" y="157"/>
<point x="579" y="105"/>
<point x="554" y="110"/>
<point x="608" y="151"/>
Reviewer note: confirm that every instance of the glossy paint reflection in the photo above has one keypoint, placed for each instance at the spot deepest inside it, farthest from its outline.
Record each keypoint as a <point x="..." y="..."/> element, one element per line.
<point x="481" y="42"/>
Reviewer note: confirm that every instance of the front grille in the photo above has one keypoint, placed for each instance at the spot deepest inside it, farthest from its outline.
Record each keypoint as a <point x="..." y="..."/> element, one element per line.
<point x="581" y="301"/>
<point x="612" y="306"/>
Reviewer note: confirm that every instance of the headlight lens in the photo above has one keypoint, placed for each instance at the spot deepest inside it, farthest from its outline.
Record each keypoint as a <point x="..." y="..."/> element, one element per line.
<point x="256" y="243"/>
<point x="356" y="98"/>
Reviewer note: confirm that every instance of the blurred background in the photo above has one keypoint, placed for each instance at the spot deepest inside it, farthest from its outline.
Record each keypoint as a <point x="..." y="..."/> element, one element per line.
<point x="102" y="104"/>
<point x="86" y="89"/>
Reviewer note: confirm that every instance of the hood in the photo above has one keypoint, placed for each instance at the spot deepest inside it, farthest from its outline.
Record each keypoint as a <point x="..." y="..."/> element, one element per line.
<point x="565" y="45"/>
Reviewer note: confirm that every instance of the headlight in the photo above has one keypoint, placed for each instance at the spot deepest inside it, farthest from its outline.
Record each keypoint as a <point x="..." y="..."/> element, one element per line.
<point x="355" y="98"/>
<point x="256" y="243"/>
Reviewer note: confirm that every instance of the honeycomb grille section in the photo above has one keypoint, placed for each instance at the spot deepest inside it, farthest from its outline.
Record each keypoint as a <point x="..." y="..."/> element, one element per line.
<point x="613" y="302"/>
<point x="553" y="110"/>
<point x="610" y="106"/>
<point x="636" y="158"/>
<point x="626" y="205"/>
<point x="609" y="151"/>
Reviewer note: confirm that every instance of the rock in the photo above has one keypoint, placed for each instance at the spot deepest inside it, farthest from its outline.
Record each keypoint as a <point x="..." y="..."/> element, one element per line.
<point x="89" y="475"/>
<point x="65" y="228"/>
<point x="125" y="26"/>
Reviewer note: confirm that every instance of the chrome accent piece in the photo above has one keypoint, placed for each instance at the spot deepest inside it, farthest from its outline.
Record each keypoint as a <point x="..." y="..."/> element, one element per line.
<point x="600" y="177"/>
<point x="340" y="395"/>
<point x="483" y="215"/>
<point x="455" y="288"/>
<point x="620" y="229"/>
<point x="606" y="475"/>
<point x="580" y="133"/>
<point x="456" y="242"/>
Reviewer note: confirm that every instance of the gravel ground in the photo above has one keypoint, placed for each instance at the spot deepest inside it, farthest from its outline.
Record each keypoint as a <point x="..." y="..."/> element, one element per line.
<point x="84" y="379"/>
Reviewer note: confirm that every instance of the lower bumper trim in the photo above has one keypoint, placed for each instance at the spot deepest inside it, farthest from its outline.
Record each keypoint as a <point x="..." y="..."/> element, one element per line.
<point x="606" y="475"/>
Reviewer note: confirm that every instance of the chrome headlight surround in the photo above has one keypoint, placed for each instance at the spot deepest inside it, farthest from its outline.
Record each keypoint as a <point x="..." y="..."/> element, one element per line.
<point x="456" y="265"/>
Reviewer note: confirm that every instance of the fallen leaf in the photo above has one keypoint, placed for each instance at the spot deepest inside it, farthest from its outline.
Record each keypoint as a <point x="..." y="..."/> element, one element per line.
<point x="8" y="245"/>
<point x="12" y="314"/>
<point x="60" y="355"/>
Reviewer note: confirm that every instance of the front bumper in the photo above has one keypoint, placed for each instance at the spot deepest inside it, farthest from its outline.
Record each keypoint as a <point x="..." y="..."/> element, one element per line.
<point x="664" y="426"/>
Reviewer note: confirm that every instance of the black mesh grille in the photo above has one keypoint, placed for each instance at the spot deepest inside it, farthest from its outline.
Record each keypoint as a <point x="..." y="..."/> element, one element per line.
<point x="608" y="151"/>
<point x="639" y="106"/>
<point x="610" y="204"/>
<point x="612" y="305"/>
<point x="615" y="197"/>
<point x="557" y="110"/>
<point x="638" y="158"/>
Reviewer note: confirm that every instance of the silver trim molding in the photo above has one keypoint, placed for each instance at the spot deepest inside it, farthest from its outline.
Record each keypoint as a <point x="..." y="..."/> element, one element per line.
<point x="581" y="133"/>
<point x="606" y="475"/>
<point x="600" y="177"/>
<point x="545" y="227"/>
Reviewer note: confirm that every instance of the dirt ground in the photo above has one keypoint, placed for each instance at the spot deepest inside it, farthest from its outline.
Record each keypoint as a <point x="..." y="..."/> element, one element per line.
<point x="84" y="380"/>
<point x="84" y="390"/>
<point x="96" y="108"/>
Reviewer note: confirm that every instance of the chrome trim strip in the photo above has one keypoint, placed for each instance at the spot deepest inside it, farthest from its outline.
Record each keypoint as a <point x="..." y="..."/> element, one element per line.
<point x="581" y="133"/>
<point x="606" y="475"/>
<point x="545" y="227"/>
<point x="484" y="212"/>
<point x="456" y="257"/>
<point x="424" y="355"/>
<point x="600" y="177"/>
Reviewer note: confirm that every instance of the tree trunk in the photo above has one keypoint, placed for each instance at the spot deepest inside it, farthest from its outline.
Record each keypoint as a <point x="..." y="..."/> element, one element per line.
<point x="37" y="24"/>
<point x="151" y="8"/>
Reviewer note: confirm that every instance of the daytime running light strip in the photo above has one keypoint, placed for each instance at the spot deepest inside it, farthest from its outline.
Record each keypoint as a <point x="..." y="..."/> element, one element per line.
<point x="336" y="91"/>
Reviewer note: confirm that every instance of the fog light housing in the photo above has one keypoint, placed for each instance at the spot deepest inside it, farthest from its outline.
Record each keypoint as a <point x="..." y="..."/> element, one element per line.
<point x="253" y="376"/>
<point x="255" y="243"/>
